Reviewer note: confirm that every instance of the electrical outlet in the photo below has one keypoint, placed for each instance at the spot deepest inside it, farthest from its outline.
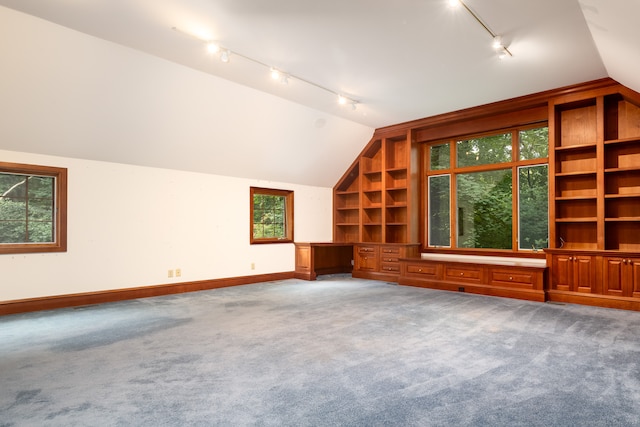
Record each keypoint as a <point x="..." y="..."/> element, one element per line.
<point x="178" y="272"/>
<point x="170" y="273"/>
<point x="253" y="265"/>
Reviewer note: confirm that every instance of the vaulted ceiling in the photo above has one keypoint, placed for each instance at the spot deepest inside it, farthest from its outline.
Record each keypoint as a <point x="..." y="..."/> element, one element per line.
<point x="399" y="60"/>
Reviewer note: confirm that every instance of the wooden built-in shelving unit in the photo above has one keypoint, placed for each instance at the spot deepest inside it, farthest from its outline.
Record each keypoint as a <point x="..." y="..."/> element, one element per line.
<point x="594" y="198"/>
<point x="595" y="192"/>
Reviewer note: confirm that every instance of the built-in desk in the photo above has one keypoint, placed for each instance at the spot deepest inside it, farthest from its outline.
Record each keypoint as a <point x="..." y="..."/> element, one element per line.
<point x="313" y="259"/>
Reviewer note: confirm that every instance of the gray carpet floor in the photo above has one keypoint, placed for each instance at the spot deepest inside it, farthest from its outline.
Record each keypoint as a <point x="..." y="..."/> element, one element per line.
<point x="335" y="352"/>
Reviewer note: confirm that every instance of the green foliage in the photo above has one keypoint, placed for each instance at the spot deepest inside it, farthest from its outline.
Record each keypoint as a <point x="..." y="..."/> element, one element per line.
<point x="269" y="216"/>
<point x="439" y="157"/>
<point x="533" y="183"/>
<point x="534" y="143"/>
<point x="484" y="208"/>
<point x="484" y="151"/>
<point x="439" y="210"/>
<point x="26" y="208"/>
<point x="484" y="200"/>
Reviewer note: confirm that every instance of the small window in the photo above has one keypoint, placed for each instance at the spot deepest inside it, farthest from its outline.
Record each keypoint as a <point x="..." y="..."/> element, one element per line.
<point x="439" y="157"/>
<point x="485" y="150"/>
<point x="33" y="208"/>
<point x="271" y="215"/>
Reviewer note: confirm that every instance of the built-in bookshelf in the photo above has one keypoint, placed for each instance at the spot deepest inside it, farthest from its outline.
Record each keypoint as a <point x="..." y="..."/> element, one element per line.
<point x="383" y="185"/>
<point x="594" y="162"/>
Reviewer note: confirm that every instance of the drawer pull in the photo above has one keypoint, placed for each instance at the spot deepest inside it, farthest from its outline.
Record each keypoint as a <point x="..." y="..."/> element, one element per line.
<point x="510" y="278"/>
<point x="419" y="270"/>
<point x="462" y="274"/>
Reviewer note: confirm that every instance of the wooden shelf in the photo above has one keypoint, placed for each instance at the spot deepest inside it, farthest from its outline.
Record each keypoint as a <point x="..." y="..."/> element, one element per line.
<point x="578" y="147"/>
<point x="623" y="219"/>
<point x="623" y="170"/>
<point x="383" y="199"/>
<point x="622" y="141"/>
<point x="589" y="219"/>
<point x="622" y="196"/>
<point x="577" y="173"/>
<point x="570" y="198"/>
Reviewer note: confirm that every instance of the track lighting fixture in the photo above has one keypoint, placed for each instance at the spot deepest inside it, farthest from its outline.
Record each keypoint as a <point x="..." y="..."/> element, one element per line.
<point x="277" y="74"/>
<point x="498" y="44"/>
<point x="213" y="47"/>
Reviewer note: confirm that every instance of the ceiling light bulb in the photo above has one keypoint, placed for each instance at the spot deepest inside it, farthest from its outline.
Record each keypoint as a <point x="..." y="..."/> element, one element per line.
<point x="213" y="47"/>
<point x="454" y="3"/>
<point x="275" y="74"/>
<point x="503" y="54"/>
<point x="224" y="56"/>
<point x="342" y="100"/>
<point x="284" y="79"/>
<point x="354" y="105"/>
<point x="497" y="43"/>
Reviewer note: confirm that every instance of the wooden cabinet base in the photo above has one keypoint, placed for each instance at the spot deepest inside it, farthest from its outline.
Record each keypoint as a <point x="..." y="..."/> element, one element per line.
<point x="521" y="282"/>
<point x="375" y="275"/>
<point x="607" y="301"/>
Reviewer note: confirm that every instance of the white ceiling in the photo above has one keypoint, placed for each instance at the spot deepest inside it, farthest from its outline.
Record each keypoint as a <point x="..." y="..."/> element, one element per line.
<point x="401" y="60"/>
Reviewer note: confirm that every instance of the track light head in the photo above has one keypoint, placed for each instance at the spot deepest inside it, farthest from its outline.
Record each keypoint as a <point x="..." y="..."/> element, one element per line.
<point x="213" y="47"/>
<point x="224" y="56"/>
<point x="497" y="43"/>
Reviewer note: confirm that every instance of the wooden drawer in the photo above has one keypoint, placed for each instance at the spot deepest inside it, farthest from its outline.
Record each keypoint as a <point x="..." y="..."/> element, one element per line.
<point x="513" y="278"/>
<point x="460" y="273"/>
<point x="390" y="258"/>
<point x="391" y="267"/>
<point x="427" y="270"/>
<point x="391" y="250"/>
<point x="367" y="249"/>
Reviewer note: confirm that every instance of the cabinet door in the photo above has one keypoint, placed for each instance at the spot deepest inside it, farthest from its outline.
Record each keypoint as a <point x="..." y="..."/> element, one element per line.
<point x="562" y="272"/>
<point x="366" y="258"/>
<point x="614" y="276"/>
<point x="584" y="273"/>
<point x="633" y="276"/>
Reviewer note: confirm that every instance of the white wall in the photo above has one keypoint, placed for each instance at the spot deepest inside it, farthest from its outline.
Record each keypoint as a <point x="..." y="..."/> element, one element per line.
<point x="128" y="225"/>
<point x="67" y="94"/>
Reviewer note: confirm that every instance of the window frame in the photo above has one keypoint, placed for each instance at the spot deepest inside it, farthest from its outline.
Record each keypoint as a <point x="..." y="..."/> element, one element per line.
<point x="288" y="195"/>
<point x="454" y="171"/>
<point x="60" y="209"/>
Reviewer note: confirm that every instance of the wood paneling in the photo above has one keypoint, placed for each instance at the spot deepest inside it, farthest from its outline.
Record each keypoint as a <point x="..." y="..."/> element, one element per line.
<point x="100" y="297"/>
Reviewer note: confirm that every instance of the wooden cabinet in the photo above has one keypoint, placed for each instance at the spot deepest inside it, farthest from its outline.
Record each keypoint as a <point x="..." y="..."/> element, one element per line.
<point x="366" y="258"/>
<point x="621" y="276"/>
<point x="376" y="201"/>
<point x="573" y="272"/>
<point x="381" y="261"/>
<point x="511" y="280"/>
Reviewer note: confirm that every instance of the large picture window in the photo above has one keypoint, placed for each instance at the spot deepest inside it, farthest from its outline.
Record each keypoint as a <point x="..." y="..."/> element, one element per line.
<point x="33" y="206"/>
<point x="271" y="215"/>
<point x="493" y="188"/>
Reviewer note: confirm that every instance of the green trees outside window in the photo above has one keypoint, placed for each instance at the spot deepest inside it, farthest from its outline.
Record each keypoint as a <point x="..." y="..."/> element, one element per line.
<point x="271" y="215"/>
<point x="26" y="208"/>
<point x="33" y="208"/>
<point x="493" y="176"/>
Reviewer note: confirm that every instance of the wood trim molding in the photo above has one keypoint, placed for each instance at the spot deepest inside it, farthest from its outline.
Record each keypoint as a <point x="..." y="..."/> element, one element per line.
<point x="100" y="297"/>
<point x="510" y="106"/>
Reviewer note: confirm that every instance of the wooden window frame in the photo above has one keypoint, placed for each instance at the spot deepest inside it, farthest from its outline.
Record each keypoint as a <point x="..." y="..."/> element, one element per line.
<point x="60" y="212"/>
<point x="455" y="171"/>
<point x="288" y="194"/>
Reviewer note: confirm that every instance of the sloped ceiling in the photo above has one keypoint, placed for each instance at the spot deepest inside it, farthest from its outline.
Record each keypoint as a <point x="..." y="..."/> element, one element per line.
<point x="400" y="60"/>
